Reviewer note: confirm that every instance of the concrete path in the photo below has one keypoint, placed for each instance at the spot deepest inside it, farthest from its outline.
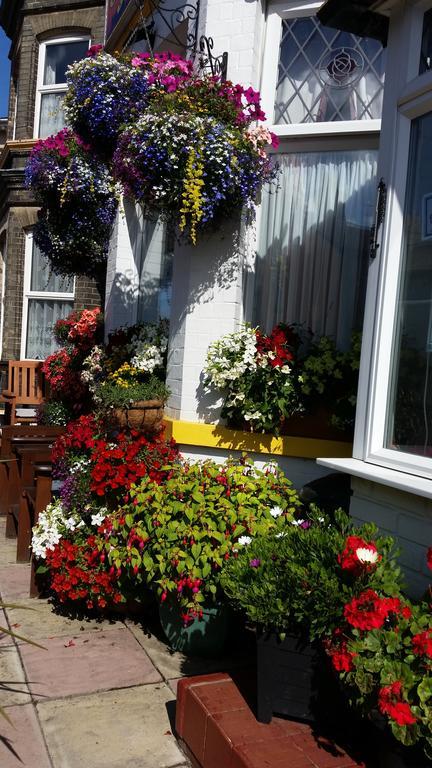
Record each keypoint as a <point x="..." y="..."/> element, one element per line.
<point x="102" y="694"/>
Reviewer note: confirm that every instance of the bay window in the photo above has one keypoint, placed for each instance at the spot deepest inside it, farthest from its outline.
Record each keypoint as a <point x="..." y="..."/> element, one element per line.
<point x="322" y="93"/>
<point x="54" y="58"/>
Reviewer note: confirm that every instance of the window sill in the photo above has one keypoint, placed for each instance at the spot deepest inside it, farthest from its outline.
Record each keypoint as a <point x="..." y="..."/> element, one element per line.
<point x="402" y="481"/>
<point x="215" y="436"/>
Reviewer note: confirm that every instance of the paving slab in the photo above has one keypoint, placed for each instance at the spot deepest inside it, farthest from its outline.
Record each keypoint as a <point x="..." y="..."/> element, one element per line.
<point x="13" y="687"/>
<point x="116" y="729"/>
<point x="14" y="581"/>
<point x="170" y="663"/>
<point x="4" y="638"/>
<point x="22" y="744"/>
<point x="86" y="663"/>
<point x="37" y="620"/>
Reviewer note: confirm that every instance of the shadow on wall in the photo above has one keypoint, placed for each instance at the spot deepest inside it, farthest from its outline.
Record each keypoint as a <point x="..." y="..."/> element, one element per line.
<point x="122" y="301"/>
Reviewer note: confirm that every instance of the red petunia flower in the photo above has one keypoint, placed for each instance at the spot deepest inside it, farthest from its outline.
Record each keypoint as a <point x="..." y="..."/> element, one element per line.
<point x="390" y="703"/>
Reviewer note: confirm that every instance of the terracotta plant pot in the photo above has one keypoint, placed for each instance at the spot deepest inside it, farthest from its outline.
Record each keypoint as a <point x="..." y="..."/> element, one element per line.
<point x="143" y="416"/>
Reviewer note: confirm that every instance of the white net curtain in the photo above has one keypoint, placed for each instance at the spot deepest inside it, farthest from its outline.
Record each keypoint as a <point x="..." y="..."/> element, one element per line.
<point x="313" y="249"/>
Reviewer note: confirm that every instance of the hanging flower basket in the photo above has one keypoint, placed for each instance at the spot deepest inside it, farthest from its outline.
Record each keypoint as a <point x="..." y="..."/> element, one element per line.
<point x="78" y="202"/>
<point x="192" y="170"/>
<point x="143" y="416"/>
<point x="104" y="92"/>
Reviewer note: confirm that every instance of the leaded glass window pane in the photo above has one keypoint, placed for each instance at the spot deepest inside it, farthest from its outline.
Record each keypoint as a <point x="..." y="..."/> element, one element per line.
<point x="326" y="75"/>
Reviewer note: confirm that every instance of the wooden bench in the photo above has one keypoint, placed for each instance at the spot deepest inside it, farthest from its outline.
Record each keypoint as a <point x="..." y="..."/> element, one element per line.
<point x="31" y="436"/>
<point x="33" y="501"/>
<point x="26" y="390"/>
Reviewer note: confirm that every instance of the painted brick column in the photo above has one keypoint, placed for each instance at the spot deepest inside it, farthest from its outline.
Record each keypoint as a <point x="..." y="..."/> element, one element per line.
<point x="208" y="279"/>
<point x="206" y="303"/>
<point x="122" y="281"/>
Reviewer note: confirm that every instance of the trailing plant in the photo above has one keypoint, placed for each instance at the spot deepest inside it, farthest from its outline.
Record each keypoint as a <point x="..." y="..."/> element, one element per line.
<point x="178" y="536"/>
<point x="298" y="581"/>
<point x="78" y="204"/>
<point x="104" y="92"/>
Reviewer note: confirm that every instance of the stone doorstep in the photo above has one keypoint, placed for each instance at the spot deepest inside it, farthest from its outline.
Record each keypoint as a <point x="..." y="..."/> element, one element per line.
<point x="217" y="727"/>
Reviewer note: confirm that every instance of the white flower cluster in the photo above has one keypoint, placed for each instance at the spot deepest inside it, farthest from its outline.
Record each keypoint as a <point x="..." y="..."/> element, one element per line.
<point x="230" y="357"/>
<point x="148" y="346"/>
<point x="78" y="464"/>
<point x="93" y="368"/>
<point x="53" y="522"/>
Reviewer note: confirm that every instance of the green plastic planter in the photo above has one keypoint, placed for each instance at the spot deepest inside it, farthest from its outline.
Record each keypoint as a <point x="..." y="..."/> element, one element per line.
<point x="203" y="637"/>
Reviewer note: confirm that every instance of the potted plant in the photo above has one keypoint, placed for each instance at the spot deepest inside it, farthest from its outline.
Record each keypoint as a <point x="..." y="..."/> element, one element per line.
<point x="178" y="537"/>
<point x="133" y="405"/>
<point x="128" y="377"/>
<point x="387" y="673"/>
<point x="293" y="588"/>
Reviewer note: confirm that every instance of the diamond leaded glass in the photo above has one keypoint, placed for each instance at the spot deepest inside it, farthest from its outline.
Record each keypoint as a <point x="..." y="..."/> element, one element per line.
<point x="325" y="75"/>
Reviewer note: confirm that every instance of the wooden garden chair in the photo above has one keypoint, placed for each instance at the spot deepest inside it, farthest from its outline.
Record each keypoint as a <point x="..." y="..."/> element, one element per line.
<point x="25" y="391"/>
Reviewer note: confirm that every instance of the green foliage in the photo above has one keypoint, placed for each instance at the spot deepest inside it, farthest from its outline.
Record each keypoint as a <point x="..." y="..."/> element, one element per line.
<point x="391" y="655"/>
<point x="329" y="377"/>
<point x="113" y="395"/>
<point x="299" y="586"/>
<point x="178" y="536"/>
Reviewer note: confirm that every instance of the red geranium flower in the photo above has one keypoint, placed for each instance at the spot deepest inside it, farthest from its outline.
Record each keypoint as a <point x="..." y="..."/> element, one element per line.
<point x="359" y="555"/>
<point x="422" y="643"/>
<point x="369" y="610"/>
<point x="390" y="703"/>
<point x="337" y="649"/>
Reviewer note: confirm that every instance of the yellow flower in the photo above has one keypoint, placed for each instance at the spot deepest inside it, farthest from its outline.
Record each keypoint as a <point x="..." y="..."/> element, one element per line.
<point x="192" y="194"/>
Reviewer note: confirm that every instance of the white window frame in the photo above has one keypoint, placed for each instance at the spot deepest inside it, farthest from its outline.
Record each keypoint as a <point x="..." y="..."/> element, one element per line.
<point x="55" y="88"/>
<point x="412" y="94"/>
<point x="294" y="9"/>
<point x="28" y="294"/>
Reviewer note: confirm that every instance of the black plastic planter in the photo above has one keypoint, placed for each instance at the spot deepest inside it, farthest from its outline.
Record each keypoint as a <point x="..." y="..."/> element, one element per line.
<point x="293" y="679"/>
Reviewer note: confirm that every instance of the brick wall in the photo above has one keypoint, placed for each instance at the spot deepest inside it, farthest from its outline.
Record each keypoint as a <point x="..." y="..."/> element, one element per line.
<point x="37" y="22"/>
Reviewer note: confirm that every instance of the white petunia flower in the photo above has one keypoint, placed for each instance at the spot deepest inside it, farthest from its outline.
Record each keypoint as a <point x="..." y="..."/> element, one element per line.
<point x="244" y="540"/>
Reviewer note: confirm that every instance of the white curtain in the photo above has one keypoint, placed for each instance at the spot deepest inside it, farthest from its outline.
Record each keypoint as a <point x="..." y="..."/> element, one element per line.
<point x="313" y="249"/>
<point x="52" y="118"/>
<point x="42" y="315"/>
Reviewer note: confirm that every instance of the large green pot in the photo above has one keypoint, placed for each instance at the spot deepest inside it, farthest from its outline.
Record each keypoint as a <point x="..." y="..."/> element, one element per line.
<point x="203" y="637"/>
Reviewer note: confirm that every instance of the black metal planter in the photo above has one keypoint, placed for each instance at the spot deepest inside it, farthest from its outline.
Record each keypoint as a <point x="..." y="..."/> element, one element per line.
<point x="293" y="679"/>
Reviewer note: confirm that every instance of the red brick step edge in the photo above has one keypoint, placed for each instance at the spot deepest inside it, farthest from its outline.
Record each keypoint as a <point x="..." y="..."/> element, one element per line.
<point x="218" y="729"/>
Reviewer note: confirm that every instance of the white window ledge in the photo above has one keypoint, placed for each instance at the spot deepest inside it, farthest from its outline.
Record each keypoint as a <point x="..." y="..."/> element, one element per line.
<point x="403" y="481"/>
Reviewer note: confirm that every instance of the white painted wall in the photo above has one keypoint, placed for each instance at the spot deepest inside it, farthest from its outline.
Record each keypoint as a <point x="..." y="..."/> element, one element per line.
<point x="403" y="515"/>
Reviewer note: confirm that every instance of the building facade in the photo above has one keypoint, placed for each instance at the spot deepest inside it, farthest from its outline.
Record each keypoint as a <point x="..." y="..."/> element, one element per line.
<point x="46" y="36"/>
<point x="306" y="258"/>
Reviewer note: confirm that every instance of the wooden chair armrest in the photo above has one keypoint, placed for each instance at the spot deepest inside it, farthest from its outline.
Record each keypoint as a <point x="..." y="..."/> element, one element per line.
<point x="6" y="394"/>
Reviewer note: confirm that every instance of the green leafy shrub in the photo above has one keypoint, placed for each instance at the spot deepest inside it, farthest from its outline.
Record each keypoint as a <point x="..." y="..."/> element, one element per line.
<point x="179" y="536"/>
<point x="293" y="582"/>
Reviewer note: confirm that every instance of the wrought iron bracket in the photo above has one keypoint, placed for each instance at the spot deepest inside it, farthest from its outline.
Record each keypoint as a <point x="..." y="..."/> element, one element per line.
<point x="200" y="49"/>
<point x="379" y="218"/>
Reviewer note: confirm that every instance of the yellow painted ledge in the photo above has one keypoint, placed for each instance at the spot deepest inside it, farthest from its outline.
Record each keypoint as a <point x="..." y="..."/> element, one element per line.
<point x="215" y="436"/>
